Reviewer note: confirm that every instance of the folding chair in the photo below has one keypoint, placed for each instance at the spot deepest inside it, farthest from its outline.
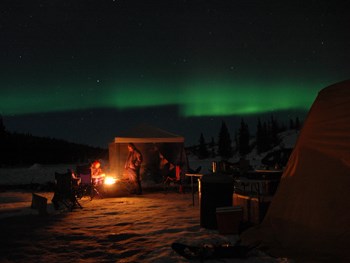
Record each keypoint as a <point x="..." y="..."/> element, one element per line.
<point x="87" y="187"/>
<point x="64" y="192"/>
<point x="176" y="180"/>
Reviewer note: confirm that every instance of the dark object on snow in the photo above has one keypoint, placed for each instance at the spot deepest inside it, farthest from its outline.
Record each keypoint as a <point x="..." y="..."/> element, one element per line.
<point x="64" y="192"/>
<point x="39" y="203"/>
<point x="215" y="191"/>
<point x="208" y="251"/>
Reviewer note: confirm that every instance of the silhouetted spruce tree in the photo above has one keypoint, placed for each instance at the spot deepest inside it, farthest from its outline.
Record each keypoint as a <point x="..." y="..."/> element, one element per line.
<point x="224" y="142"/>
<point x="291" y="124"/>
<point x="2" y="126"/>
<point x="203" y="151"/>
<point x="235" y="149"/>
<point x="4" y="144"/>
<point x="267" y="141"/>
<point x="260" y="137"/>
<point x="282" y="127"/>
<point x="297" y="124"/>
<point x="273" y="132"/>
<point x="212" y="142"/>
<point x="294" y="124"/>
<point x="212" y="147"/>
<point x="243" y="139"/>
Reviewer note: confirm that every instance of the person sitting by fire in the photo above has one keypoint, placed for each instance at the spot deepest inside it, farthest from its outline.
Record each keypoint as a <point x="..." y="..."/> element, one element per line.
<point x="170" y="172"/>
<point x="96" y="172"/>
<point x="75" y="179"/>
<point x="166" y="168"/>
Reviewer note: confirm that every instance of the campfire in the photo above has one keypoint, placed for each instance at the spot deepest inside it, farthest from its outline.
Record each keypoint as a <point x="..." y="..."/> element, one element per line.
<point x="114" y="185"/>
<point x="110" y="180"/>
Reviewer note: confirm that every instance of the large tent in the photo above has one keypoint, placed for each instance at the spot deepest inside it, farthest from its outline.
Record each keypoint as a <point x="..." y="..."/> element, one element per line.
<point x="154" y="144"/>
<point x="309" y="217"/>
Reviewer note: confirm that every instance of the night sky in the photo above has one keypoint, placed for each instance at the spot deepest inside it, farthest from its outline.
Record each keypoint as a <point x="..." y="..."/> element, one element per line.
<point x="85" y="70"/>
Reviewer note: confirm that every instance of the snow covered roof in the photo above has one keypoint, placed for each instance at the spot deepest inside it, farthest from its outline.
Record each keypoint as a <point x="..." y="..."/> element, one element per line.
<point x="147" y="133"/>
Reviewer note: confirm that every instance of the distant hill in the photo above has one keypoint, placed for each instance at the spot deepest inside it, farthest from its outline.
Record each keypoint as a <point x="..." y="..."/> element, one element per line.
<point x="25" y="149"/>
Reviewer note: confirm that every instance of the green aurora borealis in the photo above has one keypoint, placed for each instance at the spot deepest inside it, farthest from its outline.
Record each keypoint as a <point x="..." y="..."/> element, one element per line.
<point x="197" y="98"/>
<point x="68" y="61"/>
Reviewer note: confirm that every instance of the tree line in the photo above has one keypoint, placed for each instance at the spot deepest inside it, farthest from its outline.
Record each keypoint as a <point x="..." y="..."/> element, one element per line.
<point x="26" y="149"/>
<point x="18" y="149"/>
<point x="266" y="137"/>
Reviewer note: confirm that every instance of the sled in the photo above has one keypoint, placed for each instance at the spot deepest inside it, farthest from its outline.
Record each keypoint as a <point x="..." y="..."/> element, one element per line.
<point x="208" y="251"/>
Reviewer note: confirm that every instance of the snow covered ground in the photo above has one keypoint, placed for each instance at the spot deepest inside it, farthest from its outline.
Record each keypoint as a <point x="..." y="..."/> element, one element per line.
<point x="114" y="229"/>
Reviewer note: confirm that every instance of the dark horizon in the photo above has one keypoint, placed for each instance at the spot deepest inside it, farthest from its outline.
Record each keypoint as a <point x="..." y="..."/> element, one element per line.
<point x="98" y="127"/>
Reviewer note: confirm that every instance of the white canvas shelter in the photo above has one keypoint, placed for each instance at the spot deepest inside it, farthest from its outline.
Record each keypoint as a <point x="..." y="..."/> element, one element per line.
<point x="309" y="217"/>
<point x="152" y="142"/>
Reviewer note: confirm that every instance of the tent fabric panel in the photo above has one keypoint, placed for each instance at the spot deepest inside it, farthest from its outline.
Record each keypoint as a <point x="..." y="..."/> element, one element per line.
<point x="328" y="123"/>
<point x="112" y="150"/>
<point x="309" y="214"/>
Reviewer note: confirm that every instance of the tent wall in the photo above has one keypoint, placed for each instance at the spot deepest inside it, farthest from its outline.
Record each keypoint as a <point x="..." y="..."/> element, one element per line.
<point x="151" y="142"/>
<point x="173" y="152"/>
<point x="309" y="215"/>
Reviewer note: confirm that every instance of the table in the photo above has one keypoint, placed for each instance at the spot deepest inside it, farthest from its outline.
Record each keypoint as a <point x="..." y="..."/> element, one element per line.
<point x="257" y="186"/>
<point x="193" y="175"/>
